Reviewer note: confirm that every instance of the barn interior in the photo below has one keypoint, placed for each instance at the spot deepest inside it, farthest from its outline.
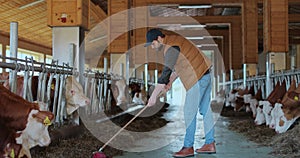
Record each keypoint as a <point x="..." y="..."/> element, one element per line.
<point x="250" y="43"/>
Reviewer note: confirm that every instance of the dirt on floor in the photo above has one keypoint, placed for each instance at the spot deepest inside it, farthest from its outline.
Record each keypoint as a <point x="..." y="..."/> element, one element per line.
<point x="284" y="145"/>
<point x="77" y="141"/>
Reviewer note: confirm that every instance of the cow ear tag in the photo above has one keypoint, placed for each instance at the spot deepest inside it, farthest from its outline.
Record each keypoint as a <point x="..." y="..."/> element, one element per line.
<point x="296" y="98"/>
<point x="12" y="153"/>
<point x="47" y="122"/>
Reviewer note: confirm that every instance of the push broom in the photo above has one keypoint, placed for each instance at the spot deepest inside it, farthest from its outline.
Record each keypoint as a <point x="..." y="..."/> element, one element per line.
<point x="100" y="153"/>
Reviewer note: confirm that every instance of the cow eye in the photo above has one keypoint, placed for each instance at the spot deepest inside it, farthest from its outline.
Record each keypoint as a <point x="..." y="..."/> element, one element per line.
<point x="72" y="92"/>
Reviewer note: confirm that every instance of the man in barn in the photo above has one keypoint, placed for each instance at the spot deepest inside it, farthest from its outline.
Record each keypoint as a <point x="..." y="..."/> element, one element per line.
<point x="183" y="59"/>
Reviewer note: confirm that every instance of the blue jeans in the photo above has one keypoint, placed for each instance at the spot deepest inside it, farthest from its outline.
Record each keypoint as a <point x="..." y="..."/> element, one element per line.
<point x="198" y="98"/>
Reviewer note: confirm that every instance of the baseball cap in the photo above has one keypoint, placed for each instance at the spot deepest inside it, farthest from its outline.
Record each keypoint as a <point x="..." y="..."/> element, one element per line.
<point x="152" y="34"/>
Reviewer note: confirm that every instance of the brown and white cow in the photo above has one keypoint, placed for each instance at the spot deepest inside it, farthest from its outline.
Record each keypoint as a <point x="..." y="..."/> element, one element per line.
<point x="74" y="95"/>
<point x="24" y="120"/>
<point x="265" y="106"/>
<point x="286" y="113"/>
<point x="73" y="92"/>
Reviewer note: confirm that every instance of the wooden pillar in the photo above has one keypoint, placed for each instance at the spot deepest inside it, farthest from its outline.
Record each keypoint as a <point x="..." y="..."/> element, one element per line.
<point x="275" y="25"/>
<point x="250" y="34"/>
<point x="140" y="23"/>
<point x="236" y="46"/>
<point x="118" y="26"/>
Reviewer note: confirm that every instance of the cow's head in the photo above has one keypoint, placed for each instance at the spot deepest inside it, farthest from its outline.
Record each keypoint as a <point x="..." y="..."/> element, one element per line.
<point x="120" y="90"/>
<point x="260" y="117"/>
<point x="36" y="131"/>
<point x="286" y="116"/>
<point x="267" y="108"/>
<point x="74" y="95"/>
<point x="253" y="106"/>
<point x="276" y="113"/>
<point x="247" y="98"/>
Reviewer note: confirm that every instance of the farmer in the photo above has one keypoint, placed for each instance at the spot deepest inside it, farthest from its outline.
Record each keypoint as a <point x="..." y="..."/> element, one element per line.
<point x="183" y="59"/>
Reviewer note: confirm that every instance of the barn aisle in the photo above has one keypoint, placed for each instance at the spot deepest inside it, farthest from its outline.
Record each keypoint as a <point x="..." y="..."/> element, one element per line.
<point x="228" y="143"/>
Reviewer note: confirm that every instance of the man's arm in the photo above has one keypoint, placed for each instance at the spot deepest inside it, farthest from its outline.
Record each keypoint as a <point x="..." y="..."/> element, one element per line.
<point x="171" y="57"/>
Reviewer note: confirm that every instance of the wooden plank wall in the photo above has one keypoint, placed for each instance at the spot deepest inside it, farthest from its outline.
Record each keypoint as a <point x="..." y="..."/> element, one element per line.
<point x="275" y="25"/>
<point x="236" y="45"/>
<point x="250" y="31"/>
<point x="118" y="26"/>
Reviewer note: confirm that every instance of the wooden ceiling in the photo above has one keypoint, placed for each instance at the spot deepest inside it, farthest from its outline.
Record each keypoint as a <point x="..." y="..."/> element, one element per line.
<point x="33" y="27"/>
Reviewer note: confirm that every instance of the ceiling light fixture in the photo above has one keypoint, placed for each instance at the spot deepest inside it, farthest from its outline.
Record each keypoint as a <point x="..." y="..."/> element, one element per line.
<point x="194" y="6"/>
<point x="193" y="26"/>
<point x="195" y="38"/>
<point x="31" y="4"/>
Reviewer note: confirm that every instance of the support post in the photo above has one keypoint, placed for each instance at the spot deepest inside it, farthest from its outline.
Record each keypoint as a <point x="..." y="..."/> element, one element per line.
<point x="146" y="77"/>
<point x="14" y="54"/>
<point x="244" y="75"/>
<point x="231" y="79"/>
<point x="268" y="74"/>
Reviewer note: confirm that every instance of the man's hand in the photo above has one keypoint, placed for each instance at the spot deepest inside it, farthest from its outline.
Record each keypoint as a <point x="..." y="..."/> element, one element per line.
<point x="159" y="88"/>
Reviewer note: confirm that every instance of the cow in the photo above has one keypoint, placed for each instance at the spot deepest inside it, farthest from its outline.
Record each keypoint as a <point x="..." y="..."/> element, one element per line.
<point x="266" y="106"/>
<point x="253" y="101"/>
<point x="284" y="116"/>
<point x="8" y="144"/>
<point x="286" y="113"/>
<point x="232" y="96"/>
<point x="120" y="90"/>
<point x="74" y="95"/>
<point x="73" y="92"/>
<point x="240" y="101"/>
<point x="260" y="117"/>
<point x="25" y="121"/>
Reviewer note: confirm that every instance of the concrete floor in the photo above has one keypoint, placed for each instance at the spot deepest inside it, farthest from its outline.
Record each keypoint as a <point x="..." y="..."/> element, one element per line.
<point x="229" y="144"/>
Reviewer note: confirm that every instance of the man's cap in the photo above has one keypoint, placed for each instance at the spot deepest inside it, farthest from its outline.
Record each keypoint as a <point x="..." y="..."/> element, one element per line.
<point x="152" y="35"/>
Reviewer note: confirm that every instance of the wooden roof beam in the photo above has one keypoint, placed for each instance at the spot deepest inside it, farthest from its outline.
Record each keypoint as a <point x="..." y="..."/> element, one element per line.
<point x="97" y="12"/>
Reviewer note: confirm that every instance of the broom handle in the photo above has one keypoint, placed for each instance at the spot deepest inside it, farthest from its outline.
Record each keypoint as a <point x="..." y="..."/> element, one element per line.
<point x="138" y="114"/>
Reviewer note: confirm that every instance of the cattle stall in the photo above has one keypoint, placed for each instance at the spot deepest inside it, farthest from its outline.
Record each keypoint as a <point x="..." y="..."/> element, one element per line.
<point x="278" y="110"/>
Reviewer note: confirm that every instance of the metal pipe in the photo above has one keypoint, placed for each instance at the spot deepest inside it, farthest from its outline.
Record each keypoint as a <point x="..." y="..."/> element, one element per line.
<point x="244" y="75"/>
<point x="22" y="67"/>
<point x="268" y="74"/>
<point x="224" y="80"/>
<point x="146" y="77"/>
<point x="155" y="76"/>
<point x="231" y="78"/>
<point x="72" y="54"/>
<point x="13" y="43"/>
<point x="105" y="65"/>
<point x="127" y="68"/>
